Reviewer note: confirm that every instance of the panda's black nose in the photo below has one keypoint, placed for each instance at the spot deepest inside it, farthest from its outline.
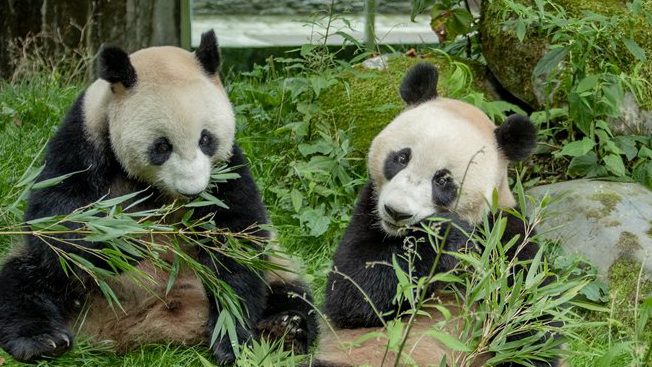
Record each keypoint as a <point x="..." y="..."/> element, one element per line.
<point x="395" y="214"/>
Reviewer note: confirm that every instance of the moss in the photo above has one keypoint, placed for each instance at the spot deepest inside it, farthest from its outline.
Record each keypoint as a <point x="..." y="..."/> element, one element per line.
<point x="627" y="286"/>
<point x="367" y="99"/>
<point x="609" y="200"/>
<point x="628" y="243"/>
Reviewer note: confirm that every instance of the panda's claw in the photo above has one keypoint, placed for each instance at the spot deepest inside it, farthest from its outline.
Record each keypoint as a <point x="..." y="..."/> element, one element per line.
<point x="49" y="344"/>
<point x="288" y="327"/>
<point x="65" y="338"/>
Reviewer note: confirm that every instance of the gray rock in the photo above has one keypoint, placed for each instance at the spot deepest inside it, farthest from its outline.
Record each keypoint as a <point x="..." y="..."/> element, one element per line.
<point x="632" y="120"/>
<point x="603" y="221"/>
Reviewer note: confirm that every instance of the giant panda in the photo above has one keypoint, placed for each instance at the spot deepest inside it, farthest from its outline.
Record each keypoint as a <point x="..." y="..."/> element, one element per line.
<point x="154" y="124"/>
<point x="439" y="158"/>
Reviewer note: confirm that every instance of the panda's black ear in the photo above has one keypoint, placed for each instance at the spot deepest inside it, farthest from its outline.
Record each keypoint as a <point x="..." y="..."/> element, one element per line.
<point x="419" y="84"/>
<point x="517" y="137"/>
<point x="114" y="66"/>
<point x="207" y="53"/>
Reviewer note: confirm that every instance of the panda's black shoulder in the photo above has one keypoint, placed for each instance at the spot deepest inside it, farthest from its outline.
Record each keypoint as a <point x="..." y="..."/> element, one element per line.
<point x="71" y="151"/>
<point x="363" y="235"/>
<point x="516" y="227"/>
<point x="241" y="196"/>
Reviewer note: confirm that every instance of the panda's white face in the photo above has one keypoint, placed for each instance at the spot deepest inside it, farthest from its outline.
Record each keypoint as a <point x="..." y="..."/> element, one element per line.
<point x="172" y="126"/>
<point x="439" y="156"/>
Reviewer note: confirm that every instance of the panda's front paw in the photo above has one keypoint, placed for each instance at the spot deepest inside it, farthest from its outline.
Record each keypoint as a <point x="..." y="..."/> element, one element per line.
<point x="223" y="352"/>
<point x="223" y="349"/>
<point x="50" y="343"/>
<point x="289" y="327"/>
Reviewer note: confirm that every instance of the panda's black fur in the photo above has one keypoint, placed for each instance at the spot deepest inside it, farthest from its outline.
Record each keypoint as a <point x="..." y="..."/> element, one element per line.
<point x="366" y="245"/>
<point x="39" y="302"/>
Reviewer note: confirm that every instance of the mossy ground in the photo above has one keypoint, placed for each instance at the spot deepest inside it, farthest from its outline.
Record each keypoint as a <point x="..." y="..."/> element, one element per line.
<point x="628" y="287"/>
<point x="368" y="99"/>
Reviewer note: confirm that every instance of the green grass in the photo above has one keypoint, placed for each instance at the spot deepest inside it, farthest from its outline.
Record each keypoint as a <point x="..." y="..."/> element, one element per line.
<point x="29" y="113"/>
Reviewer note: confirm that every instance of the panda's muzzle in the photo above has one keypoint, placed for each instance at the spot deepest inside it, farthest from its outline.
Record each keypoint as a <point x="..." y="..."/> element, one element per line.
<point x="394" y="220"/>
<point x="189" y="195"/>
<point x="396" y="215"/>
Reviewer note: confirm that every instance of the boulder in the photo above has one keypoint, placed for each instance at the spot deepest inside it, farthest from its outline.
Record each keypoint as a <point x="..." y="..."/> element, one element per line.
<point x="603" y="221"/>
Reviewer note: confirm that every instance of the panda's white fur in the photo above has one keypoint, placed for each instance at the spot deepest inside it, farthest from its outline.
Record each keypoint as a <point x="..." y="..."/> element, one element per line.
<point x="434" y="138"/>
<point x="173" y="98"/>
<point x="433" y="129"/>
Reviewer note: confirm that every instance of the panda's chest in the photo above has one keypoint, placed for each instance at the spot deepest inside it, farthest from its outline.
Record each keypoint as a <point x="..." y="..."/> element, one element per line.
<point x="154" y="307"/>
<point x="152" y="310"/>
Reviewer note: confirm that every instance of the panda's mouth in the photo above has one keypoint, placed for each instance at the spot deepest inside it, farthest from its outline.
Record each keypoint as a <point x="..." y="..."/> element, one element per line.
<point x="394" y="228"/>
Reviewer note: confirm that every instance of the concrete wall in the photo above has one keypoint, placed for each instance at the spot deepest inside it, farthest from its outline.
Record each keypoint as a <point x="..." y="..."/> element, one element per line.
<point x="292" y="7"/>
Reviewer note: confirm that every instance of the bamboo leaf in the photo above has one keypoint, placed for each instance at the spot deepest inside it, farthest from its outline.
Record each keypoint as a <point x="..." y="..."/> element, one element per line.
<point x="174" y="272"/>
<point x="55" y="180"/>
<point x="448" y="340"/>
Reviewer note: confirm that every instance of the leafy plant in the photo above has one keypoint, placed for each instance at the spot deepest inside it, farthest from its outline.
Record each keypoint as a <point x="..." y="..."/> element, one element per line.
<point x="582" y="71"/>
<point x="450" y="19"/>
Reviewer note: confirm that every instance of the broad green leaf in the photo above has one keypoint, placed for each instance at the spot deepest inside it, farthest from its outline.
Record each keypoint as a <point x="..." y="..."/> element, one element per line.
<point x="635" y="49"/>
<point x="297" y="199"/>
<point x="550" y="61"/>
<point x="588" y="83"/>
<point x="578" y="148"/>
<point x="586" y="165"/>
<point x="627" y="145"/>
<point x="520" y="30"/>
<point x="645" y="152"/>
<point x="615" y="165"/>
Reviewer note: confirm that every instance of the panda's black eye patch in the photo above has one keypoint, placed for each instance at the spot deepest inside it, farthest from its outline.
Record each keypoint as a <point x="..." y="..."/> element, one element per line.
<point x="396" y="161"/>
<point x="207" y="143"/>
<point x="442" y="178"/>
<point x="444" y="189"/>
<point x="160" y="151"/>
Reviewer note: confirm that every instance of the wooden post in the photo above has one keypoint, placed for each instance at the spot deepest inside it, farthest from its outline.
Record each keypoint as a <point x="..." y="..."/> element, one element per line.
<point x="370" y="25"/>
<point x="186" y="24"/>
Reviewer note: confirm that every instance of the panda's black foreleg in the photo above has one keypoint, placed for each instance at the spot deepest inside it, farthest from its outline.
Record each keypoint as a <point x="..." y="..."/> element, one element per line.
<point x="36" y="303"/>
<point x="289" y="316"/>
<point x="250" y="288"/>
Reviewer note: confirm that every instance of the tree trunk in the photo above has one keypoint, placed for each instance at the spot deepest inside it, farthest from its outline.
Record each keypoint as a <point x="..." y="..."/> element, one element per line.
<point x="74" y="28"/>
